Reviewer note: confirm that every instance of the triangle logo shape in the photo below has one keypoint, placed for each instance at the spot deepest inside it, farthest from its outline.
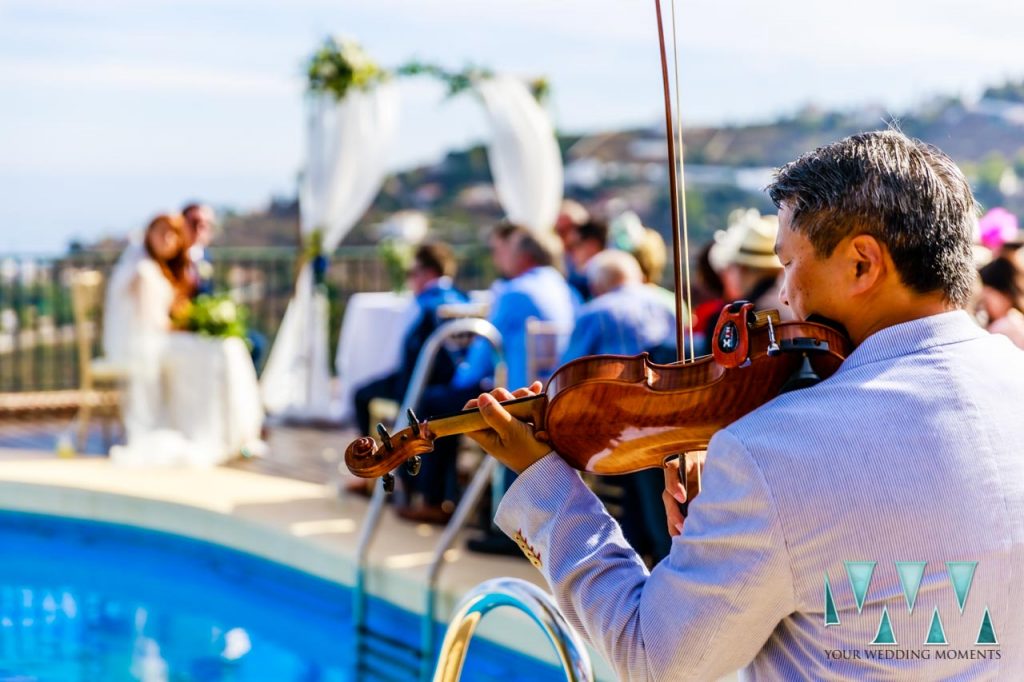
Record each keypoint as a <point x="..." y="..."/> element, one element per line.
<point x="911" y="573"/>
<point x="885" y="636"/>
<point x="987" y="632"/>
<point x="936" y="633"/>
<point x="961" y="574"/>
<point x="860" y="573"/>
<point x="831" y="614"/>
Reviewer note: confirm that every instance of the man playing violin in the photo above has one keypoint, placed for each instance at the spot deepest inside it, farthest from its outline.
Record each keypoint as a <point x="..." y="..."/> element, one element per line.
<point x="909" y="453"/>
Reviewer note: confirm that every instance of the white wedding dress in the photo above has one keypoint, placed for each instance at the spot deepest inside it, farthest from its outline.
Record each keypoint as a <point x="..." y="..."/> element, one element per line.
<point x="190" y="400"/>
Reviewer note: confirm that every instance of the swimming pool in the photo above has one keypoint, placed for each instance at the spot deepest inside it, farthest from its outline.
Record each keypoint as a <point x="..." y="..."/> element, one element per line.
<point x="86" y="601"/>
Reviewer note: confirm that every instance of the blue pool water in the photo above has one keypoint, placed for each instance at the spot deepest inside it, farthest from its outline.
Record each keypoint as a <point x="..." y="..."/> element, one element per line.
<point x="82" y="601"/>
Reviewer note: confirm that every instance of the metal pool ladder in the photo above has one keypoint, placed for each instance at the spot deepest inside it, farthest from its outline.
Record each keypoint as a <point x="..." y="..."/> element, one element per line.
<point x="410" y="662"/>
<point x="529" y="599"/>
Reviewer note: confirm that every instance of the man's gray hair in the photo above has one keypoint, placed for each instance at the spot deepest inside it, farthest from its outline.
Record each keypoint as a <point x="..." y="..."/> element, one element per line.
<point x="612" y="268"/>
<point x="908" y="195"/>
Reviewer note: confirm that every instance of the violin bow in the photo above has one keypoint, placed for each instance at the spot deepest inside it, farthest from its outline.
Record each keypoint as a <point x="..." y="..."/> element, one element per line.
<point x="677" y="198"/>
<point x="680" y="232"/>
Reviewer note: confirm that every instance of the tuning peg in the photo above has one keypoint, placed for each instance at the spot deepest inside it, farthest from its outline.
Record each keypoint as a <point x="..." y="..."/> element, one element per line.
<point x="413" y="464"/>
<point x="388" y="481"/>
<point x="385" y="437"/>
<point x="414" y="423"/>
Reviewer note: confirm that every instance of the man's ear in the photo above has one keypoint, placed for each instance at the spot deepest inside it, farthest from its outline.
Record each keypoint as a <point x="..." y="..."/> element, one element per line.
<point x="867" y="260"/>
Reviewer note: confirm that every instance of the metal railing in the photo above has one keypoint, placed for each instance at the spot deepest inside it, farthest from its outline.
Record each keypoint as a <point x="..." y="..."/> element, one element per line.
<point x="473" y="327"/>
<point x="531" y="600"/>
<point x="37" y="341"/>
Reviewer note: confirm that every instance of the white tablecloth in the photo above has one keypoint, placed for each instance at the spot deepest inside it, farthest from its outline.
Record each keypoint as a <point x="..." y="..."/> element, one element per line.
<point x="370" y="343"/>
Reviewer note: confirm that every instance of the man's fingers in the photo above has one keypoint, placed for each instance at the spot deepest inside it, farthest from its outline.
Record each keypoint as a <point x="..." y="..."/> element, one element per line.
<point x="673" y="486"/>
<point x="673" y="517"/>
<point x="502" y="394"/>
<point x="496" y="416"/>
<point x="470" y="404"/>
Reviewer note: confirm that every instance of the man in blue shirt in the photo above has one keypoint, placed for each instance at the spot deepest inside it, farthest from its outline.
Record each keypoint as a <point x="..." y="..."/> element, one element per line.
<point x="533" y="289"/>
<point x="430" y="279"/>
<point x="625" y="317"/>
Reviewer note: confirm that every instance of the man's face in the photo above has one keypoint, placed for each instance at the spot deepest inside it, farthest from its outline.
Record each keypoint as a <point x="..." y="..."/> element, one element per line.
<point x="200" y="222"/>
<point x="565" y="228"/>
<point x="811" y="285"/>
<point x="501" y="255"/>
<point x="582" y="250"/>
<point x="419" y="278"/>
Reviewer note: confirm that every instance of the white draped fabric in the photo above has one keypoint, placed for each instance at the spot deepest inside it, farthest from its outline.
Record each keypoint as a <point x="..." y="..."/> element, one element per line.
<point x="523" y="154"/>
<point x="346" y="163"/>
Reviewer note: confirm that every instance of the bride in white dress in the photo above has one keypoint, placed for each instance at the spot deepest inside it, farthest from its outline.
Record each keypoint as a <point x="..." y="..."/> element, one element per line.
<point x="189" y="400"/>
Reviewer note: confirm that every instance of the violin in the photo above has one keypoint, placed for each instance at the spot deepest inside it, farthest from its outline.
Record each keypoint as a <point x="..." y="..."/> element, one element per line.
<point x="612" y="414"/>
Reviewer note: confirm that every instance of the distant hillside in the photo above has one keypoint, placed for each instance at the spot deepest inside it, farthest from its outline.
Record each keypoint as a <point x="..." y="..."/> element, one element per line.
<point x="726" y="168"/>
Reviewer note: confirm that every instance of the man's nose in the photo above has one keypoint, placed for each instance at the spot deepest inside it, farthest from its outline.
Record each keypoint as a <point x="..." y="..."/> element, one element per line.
<point x="783" y="294"/>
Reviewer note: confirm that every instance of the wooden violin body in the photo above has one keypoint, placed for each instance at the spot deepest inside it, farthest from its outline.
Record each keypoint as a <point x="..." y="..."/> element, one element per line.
<point x="612" y="414"/>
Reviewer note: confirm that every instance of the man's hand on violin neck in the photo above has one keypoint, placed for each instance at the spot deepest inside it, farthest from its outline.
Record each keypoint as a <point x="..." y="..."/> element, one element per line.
<point x="509" y="440"/>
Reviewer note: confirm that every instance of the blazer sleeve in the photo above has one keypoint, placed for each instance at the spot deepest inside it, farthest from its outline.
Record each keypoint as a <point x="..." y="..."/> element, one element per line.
<point x="703" y="612"/>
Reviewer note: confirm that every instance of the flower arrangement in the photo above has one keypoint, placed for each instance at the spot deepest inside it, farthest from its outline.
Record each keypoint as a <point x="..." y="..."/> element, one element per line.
<point x="397" y="257"/>
<point x="340" y="65"/>
<point x="216" y="316"/>
<point x="313" y="253"/>
<point x="455" y="81"/>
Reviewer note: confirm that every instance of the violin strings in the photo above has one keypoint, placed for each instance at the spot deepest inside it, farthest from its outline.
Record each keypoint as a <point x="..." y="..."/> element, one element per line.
<point x="682" y="183"/>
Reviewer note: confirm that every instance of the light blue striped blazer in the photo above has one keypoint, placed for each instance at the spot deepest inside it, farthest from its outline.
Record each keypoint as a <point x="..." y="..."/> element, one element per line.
<point x="912" y="452"/>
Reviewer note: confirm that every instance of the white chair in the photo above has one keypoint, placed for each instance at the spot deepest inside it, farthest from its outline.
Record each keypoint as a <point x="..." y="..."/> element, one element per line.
<point x="100" y="380"/>
<point x="542" y="349"/>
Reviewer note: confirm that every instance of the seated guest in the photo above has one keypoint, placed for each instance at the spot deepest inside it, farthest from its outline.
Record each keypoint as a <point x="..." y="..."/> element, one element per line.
<point x="625" y="317"/>
<point x="199" y="221"/>
<point x="430" y="279"/>
<point x="190" y="399"/>
<point x="571" y="216"/>
<point x="710" y="292"/>
<point x="651" y="254"/>
<point x="744" y="257"/>
<point x="533" y="289"/>
<point x="1002" y="299"/>
<point x="585" y="242"/>
<point x="149" y="282"/>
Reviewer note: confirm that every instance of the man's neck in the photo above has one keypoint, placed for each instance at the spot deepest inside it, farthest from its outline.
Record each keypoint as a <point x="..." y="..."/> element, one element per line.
<point x="906" y="308"/>
<point x="525" y="268"/>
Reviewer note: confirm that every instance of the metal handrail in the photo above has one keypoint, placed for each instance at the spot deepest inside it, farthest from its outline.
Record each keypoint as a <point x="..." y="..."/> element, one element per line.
<point x="529" y="599"/>
<point x="371" y="522"/>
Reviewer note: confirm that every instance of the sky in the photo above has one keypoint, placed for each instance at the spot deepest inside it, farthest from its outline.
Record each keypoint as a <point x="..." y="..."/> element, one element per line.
<point x="114" y="110"/>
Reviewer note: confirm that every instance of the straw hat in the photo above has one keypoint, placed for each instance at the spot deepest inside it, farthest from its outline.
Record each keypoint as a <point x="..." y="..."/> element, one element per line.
<point x="749" y="240"/>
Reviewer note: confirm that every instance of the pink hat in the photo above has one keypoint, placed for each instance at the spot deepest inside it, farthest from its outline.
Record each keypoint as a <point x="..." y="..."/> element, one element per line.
<point x="998" y="227"/>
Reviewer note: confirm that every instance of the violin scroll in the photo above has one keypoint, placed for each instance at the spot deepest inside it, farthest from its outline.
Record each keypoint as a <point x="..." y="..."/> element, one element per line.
<point x="365" y="458"/>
